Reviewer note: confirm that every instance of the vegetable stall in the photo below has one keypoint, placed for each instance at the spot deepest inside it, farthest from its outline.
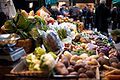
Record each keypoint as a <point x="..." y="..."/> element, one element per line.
<point x="61" y="48"/>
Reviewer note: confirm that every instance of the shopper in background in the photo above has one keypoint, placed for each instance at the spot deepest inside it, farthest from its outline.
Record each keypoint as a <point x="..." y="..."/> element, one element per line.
<point x="114" y="17"/>
<point x="74" y="12"/>
<point x="64" y="10"/>
<point x="51" y="10"/>
<point x="56" y="10"/>
<point x="118" y="17"/>
<point x="102" y="15"/>
<point x="89" y="18"/>
<point x="21" y="4"/>
<point x="84" y="15"/>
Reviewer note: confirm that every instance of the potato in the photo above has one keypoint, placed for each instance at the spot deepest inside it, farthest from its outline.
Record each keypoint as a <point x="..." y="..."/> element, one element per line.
<point x="74" y="73"/>
<point x="114" y="64"/>
<point x="113" y="59"/>
<point x="70" y="69"/>
<point x="119" y="65"/>
<point x="65" y="60"/>
<point x="88" y="67"/>
<point x="72" y="63"/>
<point x="93" y="62"/>
<point x="74" y="58"/>
<point x="68" y="55"/>
<point x="90" y="74"/>
<point x="61" y="69"/>
<point x="103" y="61"/>
<point x="77" y="66"/>
<point x="79" y="61"/>
<point x="84" y="56"/>
<point x="83" y="75"/>
<point x="81" y="70"/>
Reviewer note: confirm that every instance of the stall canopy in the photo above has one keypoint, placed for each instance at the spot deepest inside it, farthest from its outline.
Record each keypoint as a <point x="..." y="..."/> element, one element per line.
<point x="85" y="1"/>
<point x="116" y="3"/>
<point x="51" y="1"/>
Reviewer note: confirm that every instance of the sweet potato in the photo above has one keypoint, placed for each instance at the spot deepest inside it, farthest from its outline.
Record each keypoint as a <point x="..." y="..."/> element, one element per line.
<point x="65" y="61"/>
<point x="113" y="77"/>
<point x="61" y="69"/>
<point x="113" y="72"/>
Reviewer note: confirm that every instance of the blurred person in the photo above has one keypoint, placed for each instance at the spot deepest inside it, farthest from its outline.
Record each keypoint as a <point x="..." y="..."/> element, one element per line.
<point x="84" y="11"/>
<point x="74" y="12"/>
<point x="21" y="4"/>
<point x="102" y="15"/>
<point x="64" y="10"/>
<point x="114" y="16"/>
<point x="50" y="10"/>
<point x="89" y="18"/>
<point x="118" y="9"/>
<point x="54" y="11"/>
<point x="84" y="15"/>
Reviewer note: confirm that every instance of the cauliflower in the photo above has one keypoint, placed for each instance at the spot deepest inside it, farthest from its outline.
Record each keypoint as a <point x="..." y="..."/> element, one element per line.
<point x="47" y="62"/>
<point x="33" y="62"/>
<point x="39" y="51"/>
<point x="31" y="58"/>
<point x="37" y="67"/>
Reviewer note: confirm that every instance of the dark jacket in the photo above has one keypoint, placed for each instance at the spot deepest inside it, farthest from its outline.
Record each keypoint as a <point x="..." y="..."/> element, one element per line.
<point x="114" y="14"/>
<point x="101" y="18"/>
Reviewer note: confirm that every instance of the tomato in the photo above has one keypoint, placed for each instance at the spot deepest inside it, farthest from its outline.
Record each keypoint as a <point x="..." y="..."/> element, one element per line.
<point x="38" y="12"/>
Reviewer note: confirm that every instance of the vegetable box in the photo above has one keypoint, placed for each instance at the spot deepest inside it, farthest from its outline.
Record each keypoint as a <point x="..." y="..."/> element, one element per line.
<point x="70" y="70"/>
<point x="22" y="70"/>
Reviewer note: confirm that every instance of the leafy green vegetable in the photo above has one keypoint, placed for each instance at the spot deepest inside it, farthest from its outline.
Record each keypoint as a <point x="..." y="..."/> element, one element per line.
<point x="91" y="52"/>
<point x="79" y="52"/>
<point x="62" y="33"/>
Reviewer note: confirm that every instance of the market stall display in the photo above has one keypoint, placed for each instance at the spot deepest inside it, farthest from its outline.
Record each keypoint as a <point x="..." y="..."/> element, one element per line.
<point x="23" y="24"/>
<point x="62" y="48"/>
<point x="39" y="63"/>
<point x="77" y="66"/>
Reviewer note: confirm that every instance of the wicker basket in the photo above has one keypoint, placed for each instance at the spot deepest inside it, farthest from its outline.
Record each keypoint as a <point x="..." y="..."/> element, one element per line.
<point x="27" y="44"/>
<point x="22" y="70"/>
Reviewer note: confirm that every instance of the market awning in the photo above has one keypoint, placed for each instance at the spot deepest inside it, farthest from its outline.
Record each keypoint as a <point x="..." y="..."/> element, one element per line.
<point x="85" y="1"/>
<point x="63" y="0"/>
<point x="116" y="3"/>
<point x="51" y="1"/>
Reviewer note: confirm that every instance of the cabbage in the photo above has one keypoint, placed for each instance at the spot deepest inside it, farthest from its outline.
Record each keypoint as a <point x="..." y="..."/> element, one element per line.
<point x="47" y="62"/>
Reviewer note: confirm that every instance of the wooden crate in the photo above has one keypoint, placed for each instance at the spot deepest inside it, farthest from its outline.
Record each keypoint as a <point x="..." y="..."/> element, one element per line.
<point x="73" y="77"/>
<point x="22" y="70"/>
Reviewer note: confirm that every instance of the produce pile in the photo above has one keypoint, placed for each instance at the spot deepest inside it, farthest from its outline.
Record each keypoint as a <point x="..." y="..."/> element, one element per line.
<point x="24" y="23"/>
<point x="40" y="60"/>
<point x="82" y="66"/>
<point x="80" y="25"/>
<point x="94" y="43"/>
<point x="85" y="52"/>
